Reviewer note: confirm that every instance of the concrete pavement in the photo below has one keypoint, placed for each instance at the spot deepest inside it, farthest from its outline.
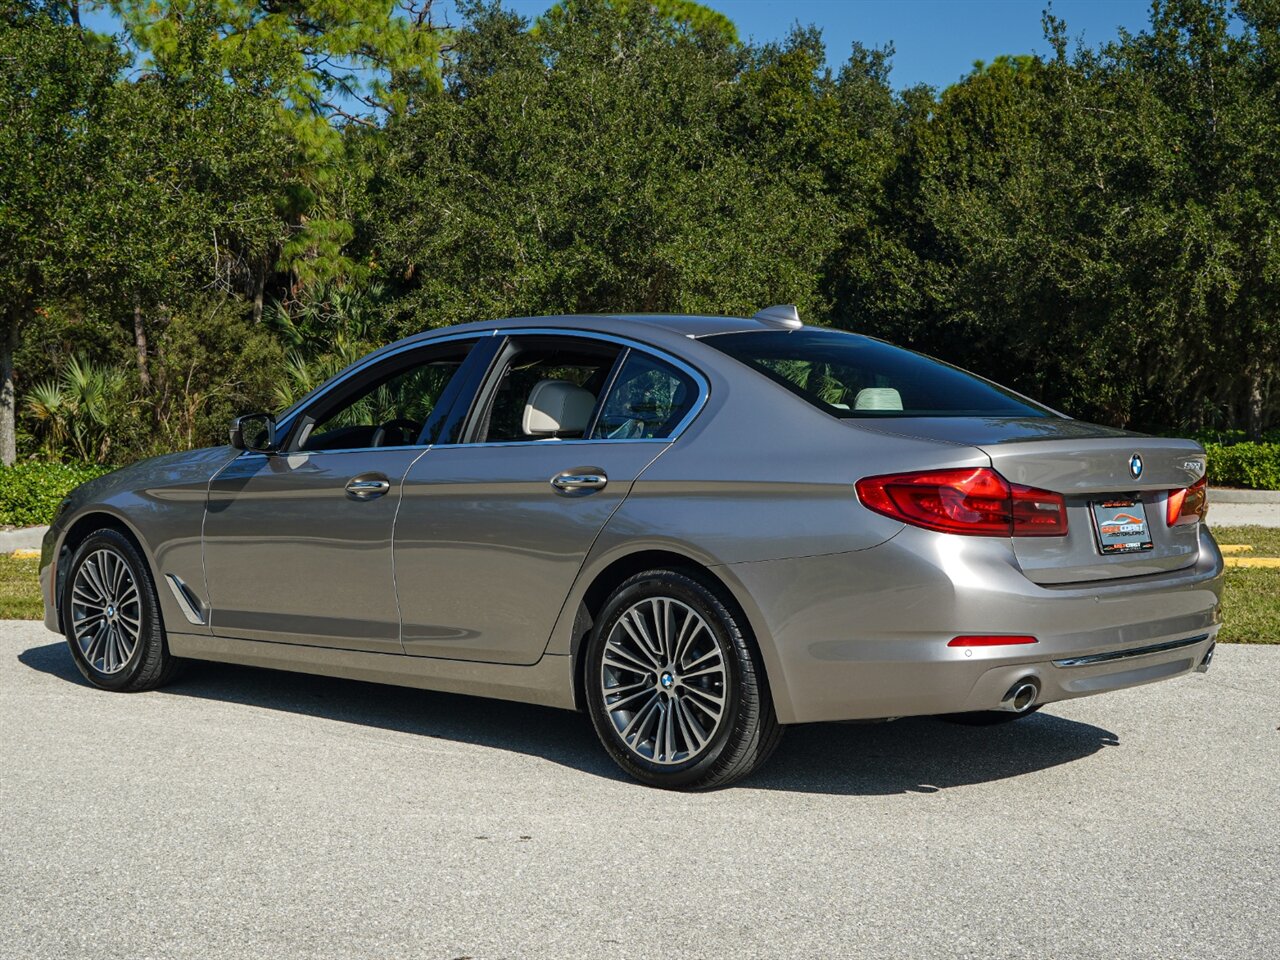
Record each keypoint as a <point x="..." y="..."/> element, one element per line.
<point x="243" y="813"/>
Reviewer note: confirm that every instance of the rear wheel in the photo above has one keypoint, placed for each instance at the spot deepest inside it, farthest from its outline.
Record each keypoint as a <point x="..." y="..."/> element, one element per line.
<point x="675" y="688"/>
<point x="112" y="616"/>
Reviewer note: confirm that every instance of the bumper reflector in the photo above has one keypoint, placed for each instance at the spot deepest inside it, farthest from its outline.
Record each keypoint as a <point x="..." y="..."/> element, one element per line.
<point x="989" y="640"/>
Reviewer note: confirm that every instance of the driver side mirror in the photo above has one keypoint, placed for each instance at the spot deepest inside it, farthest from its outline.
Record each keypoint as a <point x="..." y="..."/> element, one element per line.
<point x="255" y="432"/>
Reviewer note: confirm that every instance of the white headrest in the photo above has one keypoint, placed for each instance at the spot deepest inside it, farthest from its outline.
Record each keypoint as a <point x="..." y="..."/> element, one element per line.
<point x="557" y="406"/>
<point x="878" y="398"/>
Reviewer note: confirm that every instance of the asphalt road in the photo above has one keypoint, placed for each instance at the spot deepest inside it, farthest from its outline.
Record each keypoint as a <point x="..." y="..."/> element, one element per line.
<point x="243" y="813"/>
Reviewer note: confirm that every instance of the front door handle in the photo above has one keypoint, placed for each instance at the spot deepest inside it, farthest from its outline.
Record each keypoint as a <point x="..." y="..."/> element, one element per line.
<point x="368" y="487"/>
<point x="583" y="480"/>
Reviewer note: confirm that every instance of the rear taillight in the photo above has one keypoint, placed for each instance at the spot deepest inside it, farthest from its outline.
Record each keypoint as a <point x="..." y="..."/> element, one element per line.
<point x="976" y="501"/>
<point x="1188" y="505"/>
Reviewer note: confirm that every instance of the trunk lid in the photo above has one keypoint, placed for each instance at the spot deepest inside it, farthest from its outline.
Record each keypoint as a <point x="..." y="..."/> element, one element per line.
<point x="1099" y="470"/>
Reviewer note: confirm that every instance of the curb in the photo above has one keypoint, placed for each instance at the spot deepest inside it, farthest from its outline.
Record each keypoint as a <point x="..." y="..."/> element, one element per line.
<point x="24" y="538"/>
<point x="1232" y="495"/>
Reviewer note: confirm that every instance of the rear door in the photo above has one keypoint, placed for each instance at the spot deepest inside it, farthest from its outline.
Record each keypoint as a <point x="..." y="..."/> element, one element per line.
<point x="493" y="530"/>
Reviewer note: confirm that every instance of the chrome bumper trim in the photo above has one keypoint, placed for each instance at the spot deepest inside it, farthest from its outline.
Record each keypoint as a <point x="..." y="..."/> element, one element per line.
<point x="1114" y="655"/>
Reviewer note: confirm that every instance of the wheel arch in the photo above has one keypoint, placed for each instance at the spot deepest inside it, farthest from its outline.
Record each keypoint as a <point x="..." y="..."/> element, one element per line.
<point x="613" y="572"/>
<point x="81" y="529"/>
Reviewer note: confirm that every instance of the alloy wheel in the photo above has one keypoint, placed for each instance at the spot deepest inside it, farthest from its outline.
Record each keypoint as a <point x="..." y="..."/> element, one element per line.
<point x="663" y="680"/>
<point x="106" y="611"/>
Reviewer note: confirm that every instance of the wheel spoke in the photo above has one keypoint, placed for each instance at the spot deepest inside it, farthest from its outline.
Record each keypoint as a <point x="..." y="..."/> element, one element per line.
<point x="635" y="626"/>
<point x="694" y="736"/>
<point x="93" y="571"/>
<point x="712" y="654"/>
<point x="639" y="723"/>
<point x="87" y="591"/>
<point x="615" y="655"/>
<point x="636" y="692"/>
<point x="118" y="573"/>
<point x="90" y="644"/>
<point x="716" y="669"/>
<point x="688" y="630"/>
<point x="109" y="651"/>
<point x="706" y="701"/>
<point x="662" y="626"/>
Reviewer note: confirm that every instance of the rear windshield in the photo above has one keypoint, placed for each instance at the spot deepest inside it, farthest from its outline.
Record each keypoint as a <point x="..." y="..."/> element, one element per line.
<point x="851" y="376"/>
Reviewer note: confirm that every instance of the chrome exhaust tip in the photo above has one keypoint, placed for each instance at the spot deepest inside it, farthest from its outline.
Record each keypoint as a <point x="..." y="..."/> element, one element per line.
<point x="1208" y="658"/>
<point x="1021" y="696"/>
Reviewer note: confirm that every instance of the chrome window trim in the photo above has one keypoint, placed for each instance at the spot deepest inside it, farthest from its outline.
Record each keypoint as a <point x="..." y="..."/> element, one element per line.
<point x="531" y="443"/>
<point x="285" y="424"/>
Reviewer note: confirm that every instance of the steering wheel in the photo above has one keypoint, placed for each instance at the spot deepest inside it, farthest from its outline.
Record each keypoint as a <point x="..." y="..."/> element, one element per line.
<point x="400" y="433"/>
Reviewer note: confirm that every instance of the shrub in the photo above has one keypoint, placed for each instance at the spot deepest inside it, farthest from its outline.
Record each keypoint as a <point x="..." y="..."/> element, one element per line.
<point x="1255" y="465"/>
<point x="31" y="491"/>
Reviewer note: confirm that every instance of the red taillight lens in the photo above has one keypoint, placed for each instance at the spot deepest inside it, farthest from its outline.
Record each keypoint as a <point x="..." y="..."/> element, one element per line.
<point x="976" y="501"/>
<point x="989" y="640"/>
<point x="1188" y="505"/>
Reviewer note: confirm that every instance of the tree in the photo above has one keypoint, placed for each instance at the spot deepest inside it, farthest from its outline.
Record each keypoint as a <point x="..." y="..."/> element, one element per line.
<point x="54" y="81"/>
<point x="599" y="162"/>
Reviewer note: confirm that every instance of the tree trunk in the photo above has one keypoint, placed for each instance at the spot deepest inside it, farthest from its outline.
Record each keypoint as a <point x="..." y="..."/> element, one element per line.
<point x="8" y="396"/>
<point x="140" y="344"/>
<point x="259" y="290"/>
<point x="1256" y="406"/>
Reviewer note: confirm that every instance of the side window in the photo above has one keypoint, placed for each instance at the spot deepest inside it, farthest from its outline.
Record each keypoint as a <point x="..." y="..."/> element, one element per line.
<point x="548" y="389"/>
<point x="391" y="409"/>
<point x="647" y="400"/>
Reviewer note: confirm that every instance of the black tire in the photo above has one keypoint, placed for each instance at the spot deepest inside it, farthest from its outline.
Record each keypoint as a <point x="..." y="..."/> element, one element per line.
<point x="747" y="731"/>
<point x="149" y="664"/>
<point x="987" y="718"/>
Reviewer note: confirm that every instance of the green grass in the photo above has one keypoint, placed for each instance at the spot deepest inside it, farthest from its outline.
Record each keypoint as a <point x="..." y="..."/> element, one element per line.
<point x="1264" y="540"/>
<point x="20" y="589"/>
<point x="1251" y="603"/>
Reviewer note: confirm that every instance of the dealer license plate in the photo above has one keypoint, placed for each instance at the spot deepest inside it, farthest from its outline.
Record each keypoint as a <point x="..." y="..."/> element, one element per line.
<point x="1121" y="525"/>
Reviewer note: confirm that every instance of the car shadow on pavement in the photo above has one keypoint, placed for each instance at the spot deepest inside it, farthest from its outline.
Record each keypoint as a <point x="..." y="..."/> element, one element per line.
<point x="912" y="755"/>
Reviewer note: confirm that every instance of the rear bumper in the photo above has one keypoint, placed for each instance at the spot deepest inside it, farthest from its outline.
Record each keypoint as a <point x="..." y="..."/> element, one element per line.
<point x="864" y="635"/>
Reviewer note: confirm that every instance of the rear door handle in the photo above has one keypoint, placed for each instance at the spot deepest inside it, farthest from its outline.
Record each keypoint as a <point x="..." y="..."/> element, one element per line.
<point x="368" y="487"/>
<point x="583" y="480"/>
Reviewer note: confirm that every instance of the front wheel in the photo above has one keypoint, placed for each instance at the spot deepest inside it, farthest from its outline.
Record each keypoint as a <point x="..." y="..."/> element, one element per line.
<point x="112" y="616"/>
<point x="675" y="688"/>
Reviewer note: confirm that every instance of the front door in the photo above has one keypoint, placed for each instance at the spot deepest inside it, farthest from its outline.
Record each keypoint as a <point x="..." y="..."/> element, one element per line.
<point x="493" y="531"/>
<point x="297" y="544"/>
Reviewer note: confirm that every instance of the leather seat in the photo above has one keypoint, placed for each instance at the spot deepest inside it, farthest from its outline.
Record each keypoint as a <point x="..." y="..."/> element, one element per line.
<point x="556" y="408"/>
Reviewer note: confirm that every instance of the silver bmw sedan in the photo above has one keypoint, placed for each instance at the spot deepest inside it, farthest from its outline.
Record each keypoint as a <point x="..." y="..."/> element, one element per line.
<point x="696" y="529"/>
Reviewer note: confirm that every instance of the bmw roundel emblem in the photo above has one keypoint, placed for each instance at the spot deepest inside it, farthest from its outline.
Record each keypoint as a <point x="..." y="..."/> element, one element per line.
<point x="1135" y="466"/>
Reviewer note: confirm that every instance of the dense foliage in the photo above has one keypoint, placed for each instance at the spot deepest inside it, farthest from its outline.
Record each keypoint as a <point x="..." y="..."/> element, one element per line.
<point x="31" y="492"/>
<point x="1255" y="465"/>
<point x="211" y="213"/>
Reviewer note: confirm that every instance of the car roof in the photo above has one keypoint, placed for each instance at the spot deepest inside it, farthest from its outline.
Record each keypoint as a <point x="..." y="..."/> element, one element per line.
<point x="684" y="325"/>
